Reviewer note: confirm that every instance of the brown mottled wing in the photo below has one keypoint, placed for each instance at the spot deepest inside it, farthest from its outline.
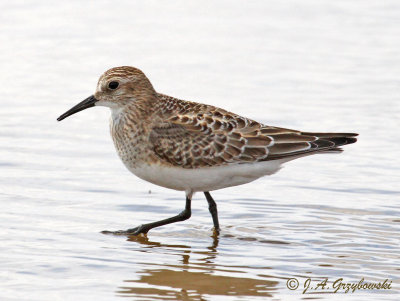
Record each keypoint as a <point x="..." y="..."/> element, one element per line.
<point x="218" y="137"/>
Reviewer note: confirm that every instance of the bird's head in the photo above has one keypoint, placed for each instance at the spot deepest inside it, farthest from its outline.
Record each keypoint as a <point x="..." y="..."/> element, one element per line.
<point x="116" y="88"/>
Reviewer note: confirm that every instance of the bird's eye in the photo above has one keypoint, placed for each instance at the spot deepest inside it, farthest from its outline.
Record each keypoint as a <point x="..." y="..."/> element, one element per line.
<point x="113" y="85"/>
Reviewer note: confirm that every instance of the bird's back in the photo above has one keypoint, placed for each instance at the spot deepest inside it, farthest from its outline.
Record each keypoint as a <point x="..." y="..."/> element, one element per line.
<point x="194" y="135"/>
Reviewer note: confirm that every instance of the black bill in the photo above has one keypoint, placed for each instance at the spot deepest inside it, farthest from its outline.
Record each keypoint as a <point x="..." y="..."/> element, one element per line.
<point x="87" y="103"/>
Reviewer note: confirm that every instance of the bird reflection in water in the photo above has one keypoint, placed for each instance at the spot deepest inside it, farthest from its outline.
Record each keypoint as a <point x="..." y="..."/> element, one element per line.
<point x="188" y="280"/>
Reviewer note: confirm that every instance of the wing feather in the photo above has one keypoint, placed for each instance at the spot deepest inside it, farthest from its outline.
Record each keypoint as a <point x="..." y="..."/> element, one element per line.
<point x="217" y="137"/>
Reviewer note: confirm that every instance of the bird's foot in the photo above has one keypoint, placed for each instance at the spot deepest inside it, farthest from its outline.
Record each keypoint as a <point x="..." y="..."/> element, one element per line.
<point x="133" y="231"/>
<point x="216" y="231"/>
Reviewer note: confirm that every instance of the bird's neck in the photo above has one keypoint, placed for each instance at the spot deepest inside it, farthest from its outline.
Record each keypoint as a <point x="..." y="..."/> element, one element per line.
<point x="136" y="111"/>
<point x="132" y="122"/>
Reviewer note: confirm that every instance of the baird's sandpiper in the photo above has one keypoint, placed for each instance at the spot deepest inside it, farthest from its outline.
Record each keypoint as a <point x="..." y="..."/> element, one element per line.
<point x="190" y="146"/>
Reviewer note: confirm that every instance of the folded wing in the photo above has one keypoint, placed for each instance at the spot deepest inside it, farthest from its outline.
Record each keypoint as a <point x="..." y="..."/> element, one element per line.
<point x="217" y="137"/>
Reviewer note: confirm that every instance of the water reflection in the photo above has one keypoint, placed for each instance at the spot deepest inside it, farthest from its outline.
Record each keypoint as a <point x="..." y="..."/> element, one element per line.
<point x="192" y="279"/>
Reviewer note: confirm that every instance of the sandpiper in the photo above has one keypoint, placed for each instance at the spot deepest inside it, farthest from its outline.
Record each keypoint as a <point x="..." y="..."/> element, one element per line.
<point x="193" y="147"/>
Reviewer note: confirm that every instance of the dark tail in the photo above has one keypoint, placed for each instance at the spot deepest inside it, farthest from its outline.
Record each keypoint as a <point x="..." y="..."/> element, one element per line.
<point x="331" y="141"/>
<point x="317" y="142"/>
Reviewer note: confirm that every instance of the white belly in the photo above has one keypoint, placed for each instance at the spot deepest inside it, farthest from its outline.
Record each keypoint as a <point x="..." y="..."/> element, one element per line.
<point x="205" y="179"/>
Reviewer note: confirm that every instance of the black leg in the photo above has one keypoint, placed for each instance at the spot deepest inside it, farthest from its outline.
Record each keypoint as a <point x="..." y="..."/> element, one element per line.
<point x="212" y="207"/>
<point x="184" y="215"/>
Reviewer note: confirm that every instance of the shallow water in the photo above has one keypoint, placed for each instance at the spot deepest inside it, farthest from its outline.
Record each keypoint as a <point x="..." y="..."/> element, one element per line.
<point x="314" y="65"/>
